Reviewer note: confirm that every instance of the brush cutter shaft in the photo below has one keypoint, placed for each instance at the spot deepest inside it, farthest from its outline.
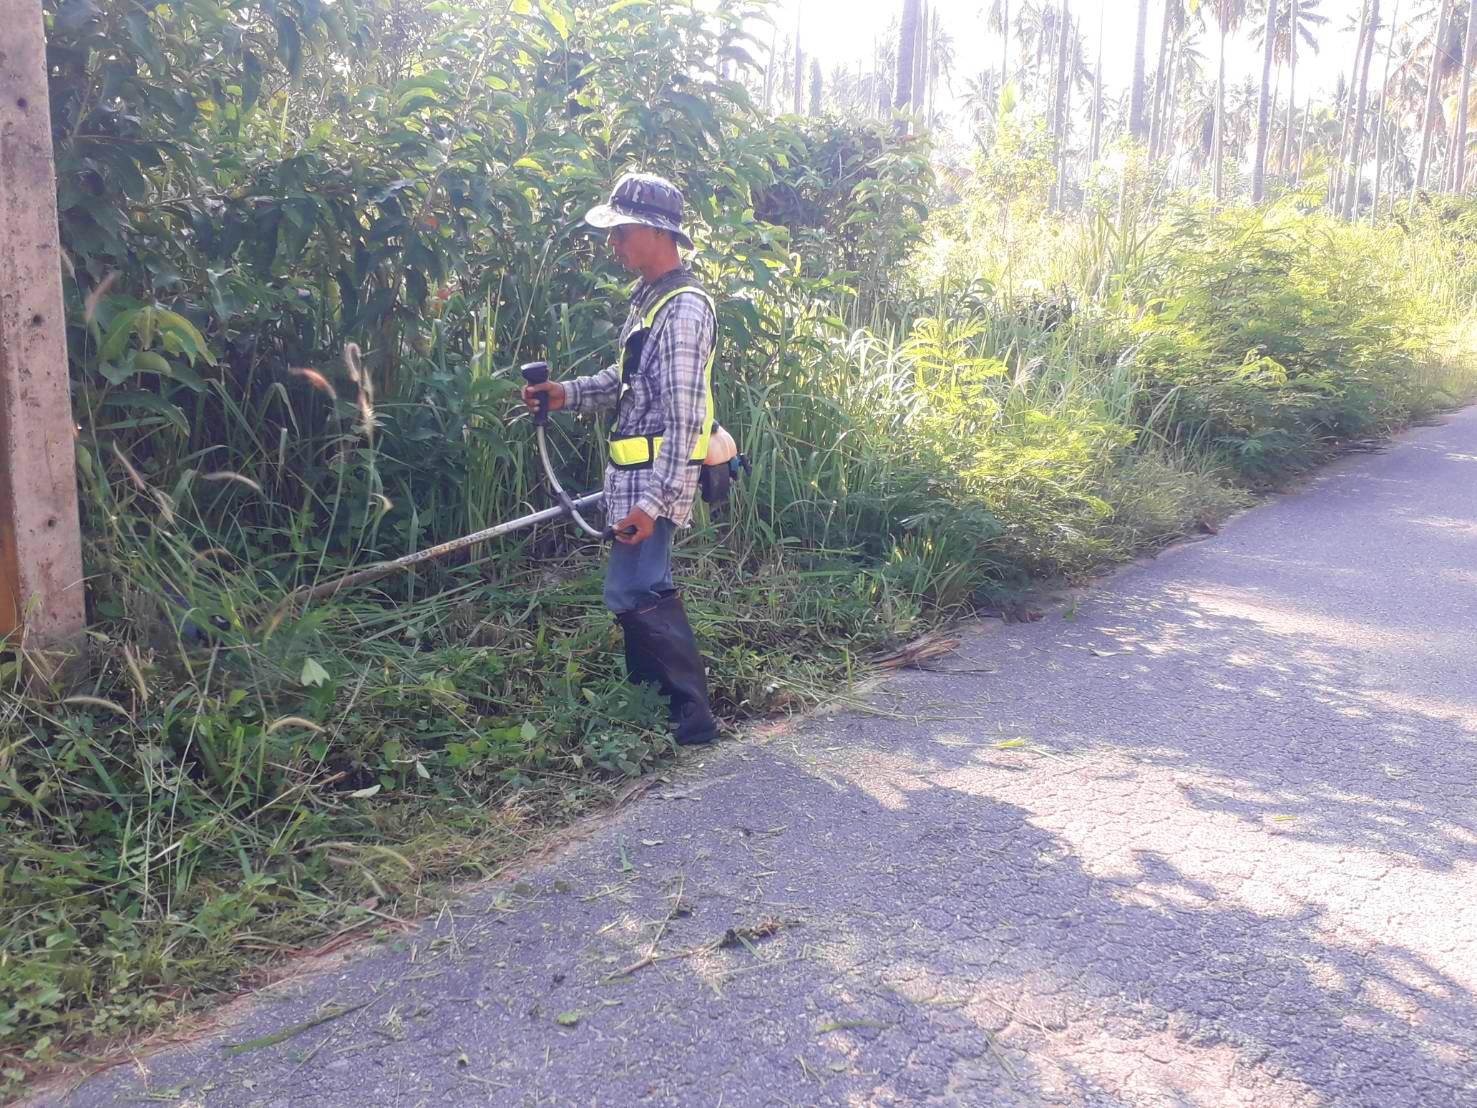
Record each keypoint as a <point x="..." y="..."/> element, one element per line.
<point x="535" y="373"/>
<point x="384" y="569"/>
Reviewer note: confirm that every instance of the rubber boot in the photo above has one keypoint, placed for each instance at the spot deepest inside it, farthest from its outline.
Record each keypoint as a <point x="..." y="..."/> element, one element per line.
<point x="637" y="671"/>
<point x="662" y="650"/>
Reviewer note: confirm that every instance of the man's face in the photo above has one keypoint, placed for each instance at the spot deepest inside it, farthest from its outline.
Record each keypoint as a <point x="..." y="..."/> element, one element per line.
<point x="632" y="244"/>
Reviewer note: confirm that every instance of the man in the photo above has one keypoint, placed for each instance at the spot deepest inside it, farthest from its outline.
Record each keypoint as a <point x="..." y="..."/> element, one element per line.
<point x="661" y="390"/>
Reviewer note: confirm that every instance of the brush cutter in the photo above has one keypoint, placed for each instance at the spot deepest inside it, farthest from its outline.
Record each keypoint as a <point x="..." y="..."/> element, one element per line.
<point x="723" y="464"/>
<point x="534" y="373"/>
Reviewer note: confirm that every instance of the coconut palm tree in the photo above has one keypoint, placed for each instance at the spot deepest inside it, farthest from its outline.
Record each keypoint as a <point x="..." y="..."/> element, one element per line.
<point x="1321" y="129"/>
<point x="941" y="58"/>
<point x="1227" y="16"/>
<point x="1176" y="30"/>
<point x="1036" y="24"/>
<point x="1369" y="25"/>
<point x="774" y="32"/>
<point x="998" y="21"/>
<point x="1198" y="131"/>
<point x="981" y="103"/>
<point x="1240" y="120"/>
<point x="1059" y="115"/>
<point x="1336" y="180"/>
<point x="920" y="64"/>
<point x="1264" y="106"/>
<point x="1173" y="26"/>
<point x="907" y="45"/>
<point x="1115" y="117"/>
<point x="1296" y="26"/>
<point x="1381" y="131"/>
<point x="1136" y="119"/>
<point x="1463" y="104"/>
<point x="1095" y="143"/>
<point x="1185" y="71"/>
<point x="1406" y="91"/>
<point x="1433" y="90"/>
<point x="884" y="67"/>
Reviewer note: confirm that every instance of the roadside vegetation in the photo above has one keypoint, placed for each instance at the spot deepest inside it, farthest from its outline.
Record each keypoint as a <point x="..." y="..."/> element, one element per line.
<point x="949" y="385"/>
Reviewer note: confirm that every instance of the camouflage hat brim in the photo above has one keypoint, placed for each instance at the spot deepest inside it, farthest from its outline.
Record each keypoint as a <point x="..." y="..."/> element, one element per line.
<point x="605" y="216"/>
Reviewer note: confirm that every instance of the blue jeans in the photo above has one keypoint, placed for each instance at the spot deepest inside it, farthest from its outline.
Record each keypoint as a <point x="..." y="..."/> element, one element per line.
<point x="638" y="576"/>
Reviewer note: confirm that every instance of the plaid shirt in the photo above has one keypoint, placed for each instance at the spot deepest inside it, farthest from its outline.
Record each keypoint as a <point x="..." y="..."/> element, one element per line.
<point x="666" y="396"/>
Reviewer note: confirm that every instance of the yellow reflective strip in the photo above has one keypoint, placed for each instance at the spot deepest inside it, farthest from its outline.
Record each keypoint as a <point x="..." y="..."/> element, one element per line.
<point x="662" y="303"/>
<point x="700" y="451"/>
<point x="632" y="451"/>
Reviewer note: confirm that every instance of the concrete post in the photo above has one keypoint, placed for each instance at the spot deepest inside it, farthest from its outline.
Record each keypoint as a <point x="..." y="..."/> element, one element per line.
<point x="40" y="540"/>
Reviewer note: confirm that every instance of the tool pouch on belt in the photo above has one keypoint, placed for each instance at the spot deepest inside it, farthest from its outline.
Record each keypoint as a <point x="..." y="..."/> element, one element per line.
<point x="721" y="467"/>
<point x="715" y="483"/>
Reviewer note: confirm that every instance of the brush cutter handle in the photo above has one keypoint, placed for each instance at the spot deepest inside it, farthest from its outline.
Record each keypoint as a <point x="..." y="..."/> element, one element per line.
<point x="537" y="373"/>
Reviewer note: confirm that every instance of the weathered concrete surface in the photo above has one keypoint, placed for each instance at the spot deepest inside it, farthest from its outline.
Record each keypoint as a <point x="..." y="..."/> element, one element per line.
<point x="1231" y="864"/>
<point x="40" y="543"/>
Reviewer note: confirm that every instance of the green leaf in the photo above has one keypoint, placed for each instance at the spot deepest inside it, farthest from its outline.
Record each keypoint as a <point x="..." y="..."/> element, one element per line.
<point x="567" y="1019"/>
<point x="173" y="321"/>
<point x="187" y="377"/>
<point x="116" y="340"/>
<point x="557" y="18"/>
<point x="415" y="100"/>
<point x="313" y="673"/>
<point x="289" y="44"/>
<point x="528" y="732"/>
<point x="150" y="402"/>
<point x="143" y="39"/>
<point x="149" y="362"/>
<point x="695" y="109"/>
<point x="251" y="81"/>
<point x="437" y="80"/>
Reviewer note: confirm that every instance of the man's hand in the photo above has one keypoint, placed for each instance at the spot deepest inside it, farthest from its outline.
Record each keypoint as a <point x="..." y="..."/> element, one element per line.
<point x="552" y="389"/>
<point x="635" y="528"/>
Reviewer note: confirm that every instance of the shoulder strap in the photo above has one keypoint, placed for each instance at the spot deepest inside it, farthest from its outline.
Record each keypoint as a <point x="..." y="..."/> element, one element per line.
<point x="663" y="300"/>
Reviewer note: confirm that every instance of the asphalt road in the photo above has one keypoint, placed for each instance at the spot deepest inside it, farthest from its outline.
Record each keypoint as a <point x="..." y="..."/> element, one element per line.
<point x="1206" y="835"/>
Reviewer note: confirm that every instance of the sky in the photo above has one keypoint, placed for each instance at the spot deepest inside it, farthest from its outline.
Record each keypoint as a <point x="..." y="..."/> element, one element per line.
<point x="841" y="31"/>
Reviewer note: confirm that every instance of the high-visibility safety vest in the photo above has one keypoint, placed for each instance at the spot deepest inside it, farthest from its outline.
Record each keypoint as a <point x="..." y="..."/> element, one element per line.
<point x="639" y="451"/>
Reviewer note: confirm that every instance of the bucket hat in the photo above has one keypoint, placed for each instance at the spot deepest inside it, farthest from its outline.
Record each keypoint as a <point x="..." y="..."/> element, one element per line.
<point x="646" y="199"/>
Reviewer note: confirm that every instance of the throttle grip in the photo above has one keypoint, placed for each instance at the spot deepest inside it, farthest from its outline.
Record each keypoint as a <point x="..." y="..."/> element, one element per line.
<point x="537" y="373"/>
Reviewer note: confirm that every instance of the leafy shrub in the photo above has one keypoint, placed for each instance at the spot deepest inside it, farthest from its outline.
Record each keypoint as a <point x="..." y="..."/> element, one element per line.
<point x="1269" y="340"/>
